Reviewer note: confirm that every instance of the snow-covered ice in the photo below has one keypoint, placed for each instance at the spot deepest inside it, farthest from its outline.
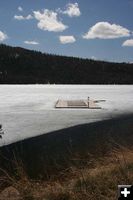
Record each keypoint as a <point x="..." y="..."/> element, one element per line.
<point x="28" y="110"/>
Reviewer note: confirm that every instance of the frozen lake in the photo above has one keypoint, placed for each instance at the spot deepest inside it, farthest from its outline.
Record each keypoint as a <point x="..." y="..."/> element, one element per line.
<point x="28" y="110"/>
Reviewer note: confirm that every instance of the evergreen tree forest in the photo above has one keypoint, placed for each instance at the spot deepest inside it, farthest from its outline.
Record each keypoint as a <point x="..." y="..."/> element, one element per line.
<point x="22" y="66"/>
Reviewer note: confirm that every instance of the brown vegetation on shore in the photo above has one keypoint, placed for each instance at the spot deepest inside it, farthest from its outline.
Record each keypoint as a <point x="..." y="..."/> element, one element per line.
<point x="85" y="162"/>
<point x="96" y="180"/>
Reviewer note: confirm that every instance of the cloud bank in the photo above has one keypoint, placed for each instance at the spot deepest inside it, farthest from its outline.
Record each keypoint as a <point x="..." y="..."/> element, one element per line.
<point x="105" y="30"/>
<point x="67" y="39"/>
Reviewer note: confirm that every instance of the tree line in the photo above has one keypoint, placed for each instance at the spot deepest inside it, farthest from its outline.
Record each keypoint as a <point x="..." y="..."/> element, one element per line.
<point x="22" y="66"/>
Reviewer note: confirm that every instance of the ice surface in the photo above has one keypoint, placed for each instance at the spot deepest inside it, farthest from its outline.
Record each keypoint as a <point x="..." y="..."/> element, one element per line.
<point x="28" y="110"/>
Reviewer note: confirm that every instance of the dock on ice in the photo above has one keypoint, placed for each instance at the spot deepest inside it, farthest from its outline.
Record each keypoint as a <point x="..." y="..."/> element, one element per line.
<point x="89" y="104"/>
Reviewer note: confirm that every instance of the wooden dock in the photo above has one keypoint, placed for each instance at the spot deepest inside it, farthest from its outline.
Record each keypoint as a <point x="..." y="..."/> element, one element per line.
<point x="89" y="104"/>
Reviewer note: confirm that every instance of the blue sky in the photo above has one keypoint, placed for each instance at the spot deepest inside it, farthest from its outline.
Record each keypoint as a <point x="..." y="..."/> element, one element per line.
<point x="98" y="29"/>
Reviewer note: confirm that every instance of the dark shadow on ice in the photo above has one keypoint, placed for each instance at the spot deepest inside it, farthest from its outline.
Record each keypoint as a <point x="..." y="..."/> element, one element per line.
<point x="44" y="154"/>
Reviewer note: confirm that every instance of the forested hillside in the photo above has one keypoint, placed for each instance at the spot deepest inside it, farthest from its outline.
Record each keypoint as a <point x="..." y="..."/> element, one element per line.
<point x="22" y="66"/>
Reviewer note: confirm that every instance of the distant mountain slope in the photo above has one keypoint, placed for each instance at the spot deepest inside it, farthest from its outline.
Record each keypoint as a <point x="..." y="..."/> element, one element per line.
<point x="22" y="66"/>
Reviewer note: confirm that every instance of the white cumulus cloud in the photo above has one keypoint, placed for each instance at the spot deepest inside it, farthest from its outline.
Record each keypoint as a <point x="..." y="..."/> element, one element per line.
<point x="67" y="39"/>
<point x="128" y="43"/>
<point x="48" y="21"/>
<point x="72" y="10"/>
<point x="3" y="36"/>
<point x="31" y="42"/>
<point x="20" y="9"/>
<point x="20" y="17"/>
<point x="105" y="30"/>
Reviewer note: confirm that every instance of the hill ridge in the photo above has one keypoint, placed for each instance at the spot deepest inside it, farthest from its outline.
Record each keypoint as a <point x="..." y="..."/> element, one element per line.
<point x="24" y="66"/>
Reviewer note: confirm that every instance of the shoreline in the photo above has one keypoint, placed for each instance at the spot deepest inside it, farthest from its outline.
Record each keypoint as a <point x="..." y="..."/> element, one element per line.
<point x="82" y="139"/>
